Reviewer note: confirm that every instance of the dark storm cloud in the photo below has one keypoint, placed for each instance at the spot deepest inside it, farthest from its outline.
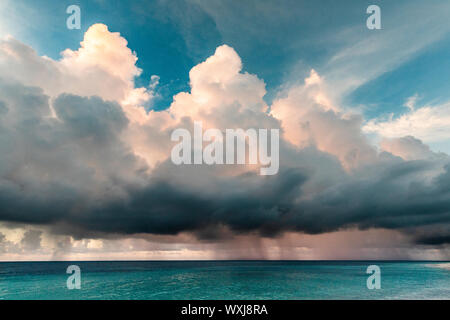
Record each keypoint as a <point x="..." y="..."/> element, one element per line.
<point x="272" y="205"/>
<point x="168" y="209"/>
<point x="162" y="208"/>
<point x="51" y="168"/>
<point x="436" y="240"/>
<point x="387" y="202"/>
<point x="76" y="175"/>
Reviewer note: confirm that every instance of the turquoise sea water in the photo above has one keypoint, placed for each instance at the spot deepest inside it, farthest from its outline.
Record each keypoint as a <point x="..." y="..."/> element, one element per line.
<point x="225" y="280"/>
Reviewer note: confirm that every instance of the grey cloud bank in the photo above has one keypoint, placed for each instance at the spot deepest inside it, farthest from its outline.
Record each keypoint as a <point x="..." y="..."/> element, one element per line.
<point x="82" y="165"/>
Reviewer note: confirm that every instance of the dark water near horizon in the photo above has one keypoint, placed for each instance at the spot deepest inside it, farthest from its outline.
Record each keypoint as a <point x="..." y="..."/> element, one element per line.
<point x="225" y="280"/>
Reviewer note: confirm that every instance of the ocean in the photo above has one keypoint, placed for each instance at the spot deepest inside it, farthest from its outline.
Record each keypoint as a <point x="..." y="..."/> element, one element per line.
<point x="226" y="280"/>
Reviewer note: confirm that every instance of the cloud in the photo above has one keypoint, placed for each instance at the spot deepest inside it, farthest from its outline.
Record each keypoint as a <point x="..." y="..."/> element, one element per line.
<point x="308" y="117"/>
<point x="31" y="240"/>
<point x="411" y="102"/>
<point x="409" y="148"/>
<point x="103" y="66"/>
<point x="434" y="240"/>
<point x="82" y="161"/>
<point x="367" y="55"/>
<point x="427" y="123"/>
<point x="218" y="85"/>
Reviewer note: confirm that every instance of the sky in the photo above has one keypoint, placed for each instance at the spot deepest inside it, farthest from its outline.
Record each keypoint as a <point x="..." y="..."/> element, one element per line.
<point x="86" y="118"/>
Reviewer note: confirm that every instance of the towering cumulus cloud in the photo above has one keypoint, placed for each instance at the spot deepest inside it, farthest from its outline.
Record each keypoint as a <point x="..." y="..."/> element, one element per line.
<point x="80" y="156"/>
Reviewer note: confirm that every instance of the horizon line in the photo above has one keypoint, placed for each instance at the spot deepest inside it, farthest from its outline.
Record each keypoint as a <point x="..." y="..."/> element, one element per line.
<point x="234" y="260"/>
